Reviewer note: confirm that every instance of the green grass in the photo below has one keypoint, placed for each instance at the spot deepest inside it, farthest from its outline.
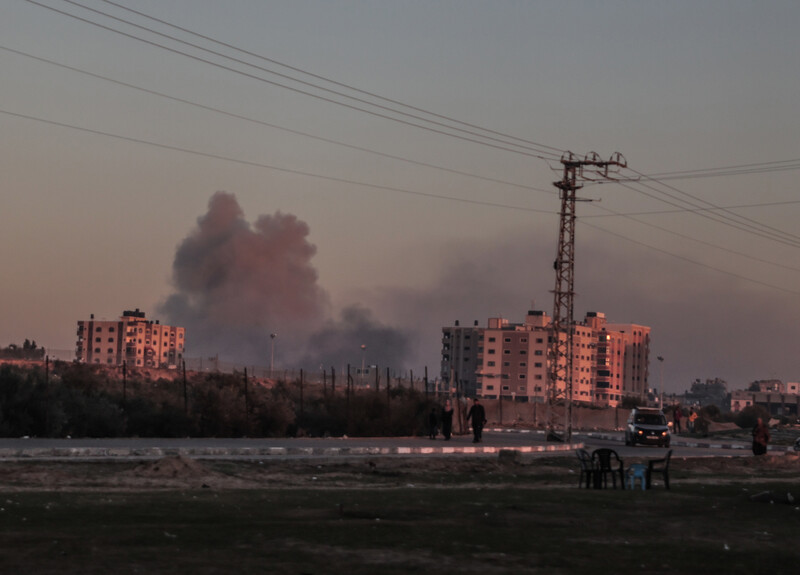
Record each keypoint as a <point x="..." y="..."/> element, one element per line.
<point x="450" y="529"/>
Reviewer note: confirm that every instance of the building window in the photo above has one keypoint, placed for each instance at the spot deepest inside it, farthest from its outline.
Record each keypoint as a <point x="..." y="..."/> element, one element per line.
<point x="522" y="376"/>
<point x="492" y="340"/>
<point x="507" y="351"/>
<point x="507" y="340"/>
<point x="523" y="352"/>
<point x="490" y="363"/>
<point x="489" y="387"/>
<point x="491" y="352"/>
<point x="98" y="329"/>
<point x="538" y="352"/>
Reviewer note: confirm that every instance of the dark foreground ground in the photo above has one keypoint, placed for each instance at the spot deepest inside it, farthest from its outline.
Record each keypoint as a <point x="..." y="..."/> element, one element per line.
<point x="392" y="515"/>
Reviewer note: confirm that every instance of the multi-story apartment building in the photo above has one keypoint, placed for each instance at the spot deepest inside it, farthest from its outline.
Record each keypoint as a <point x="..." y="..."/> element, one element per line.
<point x="460" y="358"/>
<point x="511" y="360"/>
<point x="131" y="339"/>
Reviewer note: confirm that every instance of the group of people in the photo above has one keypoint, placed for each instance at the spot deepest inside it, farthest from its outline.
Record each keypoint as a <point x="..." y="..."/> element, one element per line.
<point x="677" y="417"/>
<point x="476" y="414"/>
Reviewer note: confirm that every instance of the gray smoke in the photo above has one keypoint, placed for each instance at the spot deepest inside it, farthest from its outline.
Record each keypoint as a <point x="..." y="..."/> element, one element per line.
<point x="237" y="283"/>
<point x="341" y="341"/>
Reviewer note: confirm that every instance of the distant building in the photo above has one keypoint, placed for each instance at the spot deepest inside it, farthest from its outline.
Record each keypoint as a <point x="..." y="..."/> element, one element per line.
<point x="710" y="392"/>
<point x="460" y="358"/>
<point x="131" y="339"/>
<point x="777" y="398"/>
<point x="511" y="359"/>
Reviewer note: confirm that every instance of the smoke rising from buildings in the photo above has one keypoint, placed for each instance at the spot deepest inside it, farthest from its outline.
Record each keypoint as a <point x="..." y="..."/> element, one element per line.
<point x="237" y="283"/>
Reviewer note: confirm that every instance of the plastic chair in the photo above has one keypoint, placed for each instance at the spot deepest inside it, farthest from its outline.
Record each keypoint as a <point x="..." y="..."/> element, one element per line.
<point x="637" y="471"/>
<point x="607" y="462"/>
<point x="587" y="468"/>
<point x="659" y="466"/>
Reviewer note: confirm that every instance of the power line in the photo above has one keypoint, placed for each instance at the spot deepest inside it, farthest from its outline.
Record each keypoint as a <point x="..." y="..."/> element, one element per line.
<point x="271" y="125"/>
<point x="732" y="216"/>
<point x="686" y="210"/>
<point x="331" y="81"/>
<point x="515" y="148"/>
<point x="702" y="242"/>
<point x="754" y="228"/>
<point x="271" y="167"/>
<point x="692" y="261"/>
<point x="734" y="170"/>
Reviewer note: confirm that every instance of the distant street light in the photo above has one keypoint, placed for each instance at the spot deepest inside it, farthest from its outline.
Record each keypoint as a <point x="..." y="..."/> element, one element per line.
<point x="272" y="337"/>
<point x="661" y="383"/>
<point x="363" y="362"/>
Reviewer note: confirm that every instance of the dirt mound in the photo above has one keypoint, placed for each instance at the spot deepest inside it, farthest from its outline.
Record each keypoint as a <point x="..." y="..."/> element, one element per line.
<point x="175" y="466"/>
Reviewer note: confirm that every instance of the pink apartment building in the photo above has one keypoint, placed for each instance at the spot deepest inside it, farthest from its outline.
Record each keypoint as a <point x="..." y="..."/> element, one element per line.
<point x="511" y="359"/>
<point x="131" y="339"/>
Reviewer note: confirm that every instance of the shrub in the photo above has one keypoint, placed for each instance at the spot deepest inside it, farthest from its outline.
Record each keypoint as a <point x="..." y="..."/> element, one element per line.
<point x="748" y="416"/>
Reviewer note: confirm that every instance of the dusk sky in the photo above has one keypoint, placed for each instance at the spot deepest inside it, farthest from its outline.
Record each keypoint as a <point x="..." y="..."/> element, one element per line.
<point x="365" y="172"/>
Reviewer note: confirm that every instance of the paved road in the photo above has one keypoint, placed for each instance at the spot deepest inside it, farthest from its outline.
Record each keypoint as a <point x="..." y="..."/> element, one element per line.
<point x="494" y="441"/>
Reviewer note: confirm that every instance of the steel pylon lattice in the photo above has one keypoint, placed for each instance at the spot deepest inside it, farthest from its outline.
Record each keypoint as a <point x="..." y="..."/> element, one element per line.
<point x="560" y="348"/>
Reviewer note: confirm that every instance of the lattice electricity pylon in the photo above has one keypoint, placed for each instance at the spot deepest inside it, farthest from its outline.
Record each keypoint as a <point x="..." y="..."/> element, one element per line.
<point x="560" y="348"/>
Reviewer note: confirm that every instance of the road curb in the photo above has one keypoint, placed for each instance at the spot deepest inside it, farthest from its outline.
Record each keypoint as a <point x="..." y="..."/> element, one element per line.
<point x="262" y="452"/>
<point x="701" y="444"/>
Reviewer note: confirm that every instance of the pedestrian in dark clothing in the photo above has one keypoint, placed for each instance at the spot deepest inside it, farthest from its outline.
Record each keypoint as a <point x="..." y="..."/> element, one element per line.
<point x="760" y="437"/>
<point x="433" y="423"/>
<point x="447" y="420"/>
<point x="478" y="416"/>
<point x="676" y="417"/>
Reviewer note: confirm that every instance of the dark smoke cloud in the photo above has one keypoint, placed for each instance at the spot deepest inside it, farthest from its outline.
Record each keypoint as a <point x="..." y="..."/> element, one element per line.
<point x="341" y="341"/>
<point x="237" y="283"/>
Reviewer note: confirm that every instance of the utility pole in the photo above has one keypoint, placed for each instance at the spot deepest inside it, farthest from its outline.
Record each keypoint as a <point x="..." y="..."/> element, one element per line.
<point x="560" y="352"/>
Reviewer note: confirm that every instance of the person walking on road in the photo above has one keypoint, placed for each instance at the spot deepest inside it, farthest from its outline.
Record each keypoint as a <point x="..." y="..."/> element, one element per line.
<point x="447" y="420"/>
<point x="478" y="416"/>
<point x="760" y="437"/>
<point x="676" y="417"/>
<point x="433" y="422"/>
<point x="692" y="418"/>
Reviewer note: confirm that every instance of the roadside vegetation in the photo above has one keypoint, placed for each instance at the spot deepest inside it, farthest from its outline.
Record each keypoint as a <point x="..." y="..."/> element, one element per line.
<point x="68" y="399"/>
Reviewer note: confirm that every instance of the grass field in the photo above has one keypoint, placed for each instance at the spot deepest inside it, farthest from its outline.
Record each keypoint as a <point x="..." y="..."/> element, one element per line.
<point x="392" y="516"/>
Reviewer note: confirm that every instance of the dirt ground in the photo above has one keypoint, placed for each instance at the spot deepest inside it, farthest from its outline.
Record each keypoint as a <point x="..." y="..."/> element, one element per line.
<point x="180" y="473"/>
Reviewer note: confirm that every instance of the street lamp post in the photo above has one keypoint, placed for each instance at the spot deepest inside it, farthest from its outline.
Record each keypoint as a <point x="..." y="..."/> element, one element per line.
<point x="363" y="362"/>
<point x="661" y="383"/>
<point x="272" y="337"/>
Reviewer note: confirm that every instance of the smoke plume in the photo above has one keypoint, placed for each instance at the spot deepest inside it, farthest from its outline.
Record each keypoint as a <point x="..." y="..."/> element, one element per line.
<point x="237" y="283"/>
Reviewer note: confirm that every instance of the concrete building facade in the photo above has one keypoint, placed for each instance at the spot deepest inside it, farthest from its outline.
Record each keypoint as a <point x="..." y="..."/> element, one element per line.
<point x="132" y="339"/>
<point x="510" y="360"/>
